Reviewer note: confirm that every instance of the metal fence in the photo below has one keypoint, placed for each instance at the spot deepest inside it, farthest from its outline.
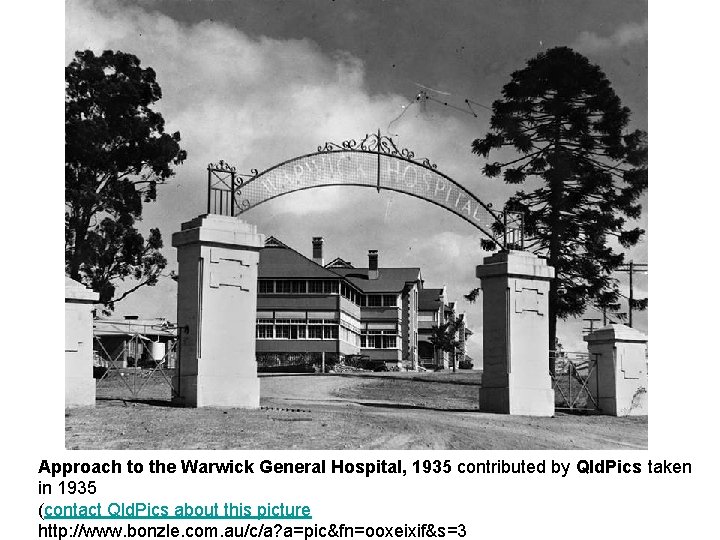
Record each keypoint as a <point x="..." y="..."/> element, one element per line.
<point x="136" y="368"/>
<point x="574" y="371"/>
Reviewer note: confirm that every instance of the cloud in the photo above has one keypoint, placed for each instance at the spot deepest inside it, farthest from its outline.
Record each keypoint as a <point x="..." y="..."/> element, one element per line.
<point x="627" y="34"/>
<point x="254" y="102"/>
<point x="258" y="101"/>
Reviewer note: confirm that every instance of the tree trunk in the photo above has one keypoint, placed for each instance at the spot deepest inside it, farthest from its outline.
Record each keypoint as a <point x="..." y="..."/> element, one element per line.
<point x="75" y="259"/>
<point x="552" y="320"/>
<point x="79" y="235"/>
<point x="557" y="176"/>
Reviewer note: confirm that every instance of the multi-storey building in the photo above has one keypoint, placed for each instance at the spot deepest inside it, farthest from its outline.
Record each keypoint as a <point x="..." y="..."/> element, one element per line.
<point x="304" y="309"/>
<point x="435" y="310"/>
<point x="308" y="309"/>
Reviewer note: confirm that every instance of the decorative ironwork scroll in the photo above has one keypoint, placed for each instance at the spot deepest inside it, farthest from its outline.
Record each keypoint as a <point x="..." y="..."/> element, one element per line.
<point x="375" y="143"/>
<point x="374" y="161"/>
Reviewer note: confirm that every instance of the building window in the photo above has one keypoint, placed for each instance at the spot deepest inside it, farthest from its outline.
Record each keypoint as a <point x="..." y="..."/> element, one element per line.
<point x="374" y="339"/>
<point x="302" y="329"/>
<point x="264" y="329"/>
<point x="265" y="286"/>
<point x="298" y="287"/>
<point x="283" y="286"/>
<point x="349" y="336"/>
<point x="389" y="300"/>
<point x="315" y="287"/>
<point x="330" y="332"/>
<point x="282" y="331"/>
<point x="315" y="332"/>
<point x="379" y="339"/>
<point x="330" y="287"/>
<point x="349" y="329"/>
<point x="374" y="300"/>
<point x="297" y="328"/>
<point x="348" y="292"/>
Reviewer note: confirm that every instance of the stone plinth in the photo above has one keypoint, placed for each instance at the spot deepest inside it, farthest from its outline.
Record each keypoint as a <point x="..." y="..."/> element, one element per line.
<point x="217" y="300"/>
<point x="515" y="380"/>
<point x="79" y="381"/>
<point x="619" y="382"/>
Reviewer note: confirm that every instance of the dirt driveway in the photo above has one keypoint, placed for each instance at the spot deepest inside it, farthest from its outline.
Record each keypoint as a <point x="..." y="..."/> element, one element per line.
<point x="373" y="411"/>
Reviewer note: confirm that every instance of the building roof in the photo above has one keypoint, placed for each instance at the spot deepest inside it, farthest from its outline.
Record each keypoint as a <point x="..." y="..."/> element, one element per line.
<point x="74" y="290"/>
<point x="337" y="262"/>
<point x="430" y="299"/>
<point x="280" y="261"/>
<point x="391" y="280"/>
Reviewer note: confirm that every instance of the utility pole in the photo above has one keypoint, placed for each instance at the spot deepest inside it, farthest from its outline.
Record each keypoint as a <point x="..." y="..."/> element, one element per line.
<point x="630" y="300"/>
<point x="592" y="322"/>
<point x="632" y="268"/>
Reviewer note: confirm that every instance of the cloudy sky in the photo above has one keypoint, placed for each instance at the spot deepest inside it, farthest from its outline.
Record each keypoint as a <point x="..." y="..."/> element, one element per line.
<point x="260" y="81"/>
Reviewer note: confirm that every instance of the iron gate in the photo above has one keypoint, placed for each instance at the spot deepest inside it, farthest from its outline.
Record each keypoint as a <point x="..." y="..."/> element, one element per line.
<point x="573" y="373"/>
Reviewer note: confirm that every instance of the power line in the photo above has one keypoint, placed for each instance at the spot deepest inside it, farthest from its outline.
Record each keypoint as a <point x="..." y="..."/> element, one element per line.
<point x="399" y="116"/>
<point x="424" y="96"/>
<point x="469" y="101"/>
<point x="469" y="110"/>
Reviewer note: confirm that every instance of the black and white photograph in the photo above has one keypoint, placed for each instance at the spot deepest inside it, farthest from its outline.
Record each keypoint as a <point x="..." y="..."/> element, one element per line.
<point x="232" y="283"/>
<point x="359" y="269"/>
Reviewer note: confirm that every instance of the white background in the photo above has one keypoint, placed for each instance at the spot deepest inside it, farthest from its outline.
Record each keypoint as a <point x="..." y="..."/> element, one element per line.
<point x="683" y="328"/>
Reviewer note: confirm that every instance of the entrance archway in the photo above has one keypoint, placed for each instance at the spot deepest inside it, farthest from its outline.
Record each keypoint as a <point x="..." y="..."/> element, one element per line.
<point x="218" y="259"/>
<point x="374" y="162"/>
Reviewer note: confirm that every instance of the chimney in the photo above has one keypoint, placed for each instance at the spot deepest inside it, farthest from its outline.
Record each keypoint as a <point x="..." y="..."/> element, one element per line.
<point x="318" y="250"/>
<point x="373" y="264"/>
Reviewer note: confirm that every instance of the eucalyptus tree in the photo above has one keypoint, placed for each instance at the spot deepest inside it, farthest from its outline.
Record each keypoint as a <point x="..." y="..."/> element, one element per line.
<point x="116" y="153"/>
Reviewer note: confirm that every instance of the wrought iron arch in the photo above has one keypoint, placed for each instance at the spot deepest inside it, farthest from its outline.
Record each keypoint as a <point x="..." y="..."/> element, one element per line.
<point x="374" y="162"/>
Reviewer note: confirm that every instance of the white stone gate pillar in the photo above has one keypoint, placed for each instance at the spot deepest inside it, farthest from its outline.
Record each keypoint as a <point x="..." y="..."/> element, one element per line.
<point x="619" y="381"/>
<point x="216" y="309"/>
<point x="515" y="379"/>
<point x="79" y="381"/>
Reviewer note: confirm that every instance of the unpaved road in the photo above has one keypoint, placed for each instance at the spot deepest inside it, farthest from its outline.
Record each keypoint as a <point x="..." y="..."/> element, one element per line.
<point x="384" y="411"/>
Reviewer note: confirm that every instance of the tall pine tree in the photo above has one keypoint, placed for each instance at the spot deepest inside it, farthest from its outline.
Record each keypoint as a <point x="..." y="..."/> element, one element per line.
<point x="585" y="172"/>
